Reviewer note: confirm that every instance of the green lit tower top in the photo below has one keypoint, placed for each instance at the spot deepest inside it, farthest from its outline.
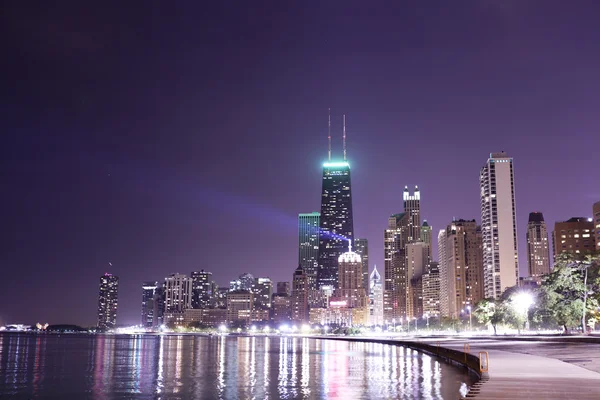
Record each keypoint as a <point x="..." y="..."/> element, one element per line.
<point x="336" y="223"/>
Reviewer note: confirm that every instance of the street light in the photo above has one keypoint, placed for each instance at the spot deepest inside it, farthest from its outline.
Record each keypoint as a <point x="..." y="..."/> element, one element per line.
<point x="522" y="301"/>
<point x="427" y="319"/>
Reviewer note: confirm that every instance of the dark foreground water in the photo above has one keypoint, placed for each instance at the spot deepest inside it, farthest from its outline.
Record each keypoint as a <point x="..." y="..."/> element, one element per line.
<point x="197" y="367"/>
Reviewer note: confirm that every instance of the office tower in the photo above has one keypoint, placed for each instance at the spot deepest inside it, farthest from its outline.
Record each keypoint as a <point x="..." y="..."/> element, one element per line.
<point x="395" y="274"/>
<point x="282" y="311"/>
<point x="426" y="236"/>
<point x="148" y="293"/>
<point x="159" y="306"/>
<point x="417" y="259"/>
<point x="108" y="301"/>
<point x="498" y="224"/>
<point x="375" y="298"/>
<point x="178" y="293"/>
<point x="202" y="286"/>
<point x="461" y="266"/>
<point x="412" y="206"/>
<point x="361" y="247"/>
<point x="538" y="252"/>
<point x="575" y="236"/>
<point x="308" y="242"/>
<point x="284" y="288"/>
<point x="244" y="282"/>
<point x="263" y="291"/>
<point x="350" y="280"/>
<point x="299" y="295"/>
<point x="596" y="221"/>
<point x="431" y="290"/>
<point x="239" y="307"/>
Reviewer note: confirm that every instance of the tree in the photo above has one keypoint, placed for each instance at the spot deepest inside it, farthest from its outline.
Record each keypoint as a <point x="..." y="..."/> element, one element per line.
<point x="489" y="311"/>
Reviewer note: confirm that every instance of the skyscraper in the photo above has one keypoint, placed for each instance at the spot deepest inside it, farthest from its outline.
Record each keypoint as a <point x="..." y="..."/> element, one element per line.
<point x="596" y="220"/>
<point x="431" y="290"/>
<point x="498" y="224"/>
<point x="461" y="267"/>
<point x="426" y="236"/>
<point x="299" y="301"/>
<point x="538" y="251"/>
<point x="178" y="293"/>
<point x="336" y="223"/>
<point x="375" y="298"/>
<point x="107" y="301"/>
<point x="148" y="293"/>
<point x="574" y="236"/>
<point x="263" y="291"/>
<point x="395" y="274"/>
<point x="201" y="289"/>
<point x="412" y="206"/>
<point x="351" y="293"/>
<point x="284" y="288"/>
<point x="308" y="251"/>
<point x="361" y="247"/>
<point x="417" y="259"/>
<point x="245" y="282"/>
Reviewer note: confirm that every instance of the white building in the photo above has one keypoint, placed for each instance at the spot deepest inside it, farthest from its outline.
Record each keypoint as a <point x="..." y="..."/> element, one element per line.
<point x="178" y="293"/>
<point x="375" y="298"/>
<point x="444" y="275"/>
<point x="498" y="224"/>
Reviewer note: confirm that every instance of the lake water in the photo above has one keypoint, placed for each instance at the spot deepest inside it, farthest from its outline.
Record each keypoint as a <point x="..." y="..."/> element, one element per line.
<point x="198" y="367"/>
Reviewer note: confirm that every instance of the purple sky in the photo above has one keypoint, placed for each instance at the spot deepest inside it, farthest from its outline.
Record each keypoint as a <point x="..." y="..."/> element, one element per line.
<point x="168" y="140"/>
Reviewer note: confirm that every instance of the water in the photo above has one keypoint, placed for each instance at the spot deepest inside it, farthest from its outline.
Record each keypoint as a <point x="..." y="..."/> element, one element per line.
<point x="198" y="367"/>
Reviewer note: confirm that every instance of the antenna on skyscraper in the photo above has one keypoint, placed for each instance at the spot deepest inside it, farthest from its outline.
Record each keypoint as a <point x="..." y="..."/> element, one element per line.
<point x="329" y="134"/>
<point x="344" y="137"/>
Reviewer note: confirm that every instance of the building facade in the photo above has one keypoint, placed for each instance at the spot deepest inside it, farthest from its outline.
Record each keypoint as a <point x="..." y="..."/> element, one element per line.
<point x="336" y="220"/>
<point x="361" y="247"/>
<point x="375" y="298"/>
<point x="282" y="308"/>
<point x="284" y="288"/>
<point x="350" y="281"/>
<point x="244" y="282"/>
<point x="263" y="291"/>
<point x="395" y="272"/>
<point x="108" y="301"/>
<point x="431" y="290"/>
<point x="308" y="245"/>
<point x="299" y="300"/>
<point x="498" y="224"/>
<point x="538" y="250"/>
<point x="202" y="286"/>
<point x="596" y="220"/>
<point x="178" y="293"/>
<point x="148" y="307"/>
<point x="574" y="236"/>
<point x="240" y="305"/>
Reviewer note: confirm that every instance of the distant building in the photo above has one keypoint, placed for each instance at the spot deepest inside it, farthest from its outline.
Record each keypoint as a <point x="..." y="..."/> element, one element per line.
<point x="412" y="206"/>
<point x="159" y="306"/>
<point x="239" y="307"/>
<point x="575" y="236"/>
<point x="375" y="298"/>
<point x="178" y="293"/>
<point x="308" y="249"/>
<point x="460" y="266"/>
<point x="262" y="290"/>
<point x="396" y="236"/>
<point x="431" y="290"/>
<point x="244" y="282"/>
<point x="596" y="217"/>
<point x="350" y="281"/>
<point x="148" y="309"/>
<point x="284" y="288"/>
<point x="221" y="297"/>
<point x="417" y="259"/>
<point x="498" y="225"/>
<point x="361" y="247"/>
<point x="282" y="310"/>
<point x="202" y="286"/>
<point x="205" y="317"/>
<point x="336" y="221"/>
<point x="299" y="295"/>
<point x="426" y="236"/>
<point x="538" y="250"/>
<point x="108" y="301"/>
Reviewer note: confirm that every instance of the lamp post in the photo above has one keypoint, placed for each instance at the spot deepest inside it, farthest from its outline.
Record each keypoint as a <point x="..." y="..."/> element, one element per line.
<point x="427" y="319"/>
<point x="470" y="319"/>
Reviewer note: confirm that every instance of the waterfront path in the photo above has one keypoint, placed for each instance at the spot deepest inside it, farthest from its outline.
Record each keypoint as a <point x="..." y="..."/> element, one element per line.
<point x="532" y="369"/>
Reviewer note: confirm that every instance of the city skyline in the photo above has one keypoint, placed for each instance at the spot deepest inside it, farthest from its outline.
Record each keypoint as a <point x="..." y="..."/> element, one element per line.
<point x="107" y="165"/>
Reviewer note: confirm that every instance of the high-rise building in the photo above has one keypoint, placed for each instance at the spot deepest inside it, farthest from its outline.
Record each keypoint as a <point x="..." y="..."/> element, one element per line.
<point x="178" y="293"/>
<point x="461" y="267"/>
<point x="336" y="222"/>
<point x="350" y="280"/>
<point x="282" y="311"/>
<point x="244" y="283"/>
<point x="108" y="301"/>
<point x="426" y="236"/>
<point x="412" y="206"/>
<point x="148" y="293"/>
<point x="575" y="236"/>
<point x="361" y="247"/>
<point x="202" y="286"/>
<point x="431" y="290"/>
<point x="239" y="307"/>
<point x="299" y="303"/>
<point x="498" y="224"/>
<point x="284" y="288"/>
<point x="596" y="220"/>
<point x="375" y="298"/>
<point x="395" y="274"/>
<point x="263" y="291"/>
<point x="308" y="242"/>
<point x="159" y="306"/>
<point x="538" y="251"/>
<point x="417" y="259"/>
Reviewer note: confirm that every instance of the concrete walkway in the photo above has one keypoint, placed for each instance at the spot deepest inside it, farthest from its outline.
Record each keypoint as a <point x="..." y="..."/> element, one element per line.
<point x="524" y="376"/>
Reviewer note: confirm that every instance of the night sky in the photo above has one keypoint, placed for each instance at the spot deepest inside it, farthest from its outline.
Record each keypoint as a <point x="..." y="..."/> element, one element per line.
<point x="171" y="138"/>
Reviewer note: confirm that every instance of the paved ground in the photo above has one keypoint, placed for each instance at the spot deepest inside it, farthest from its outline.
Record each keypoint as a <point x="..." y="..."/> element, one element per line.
<point x="534" y="369"/>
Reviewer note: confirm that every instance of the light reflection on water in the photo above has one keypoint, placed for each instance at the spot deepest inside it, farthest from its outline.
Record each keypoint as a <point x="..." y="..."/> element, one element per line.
<point x="195" y="367"/>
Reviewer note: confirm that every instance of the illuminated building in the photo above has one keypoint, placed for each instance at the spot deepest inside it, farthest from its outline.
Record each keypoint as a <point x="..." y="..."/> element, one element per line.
<point x="375" y="298"/>
<point x="202" y="287"/>
<point x="426" y="236"/>
<point x="395" y="275"/>
<point x="108" y="301"/>
<point x="596" y="220"/>
<point x="244" y="282"/>
<point x="538" y="251"/>
<point x="178" y="293"/>
<point x="239" y="307"/>
<point x="299" y="299"/>
<point x="575" y="236"/>
<point x="498" y="225"/>
<point x="417" y="258"/>
<point x="431" y="290"/>
<point x="282" y="312"/>
<point x="284" y="288"/>
<point x="361" y="247"/>
<point x="412" y="207"/>
<point x="262" y="290"/>
<point x="148" y="309"/>
<point x="308" y="249"/>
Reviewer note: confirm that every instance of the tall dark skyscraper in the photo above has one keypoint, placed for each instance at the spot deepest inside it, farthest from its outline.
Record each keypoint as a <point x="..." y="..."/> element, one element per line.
<point x="361" y="247"/>
<point x="148" y="293"/>
<point x="201" y="289"/>
<point x="107" y="301"/>
<point x="308" y="249"/>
